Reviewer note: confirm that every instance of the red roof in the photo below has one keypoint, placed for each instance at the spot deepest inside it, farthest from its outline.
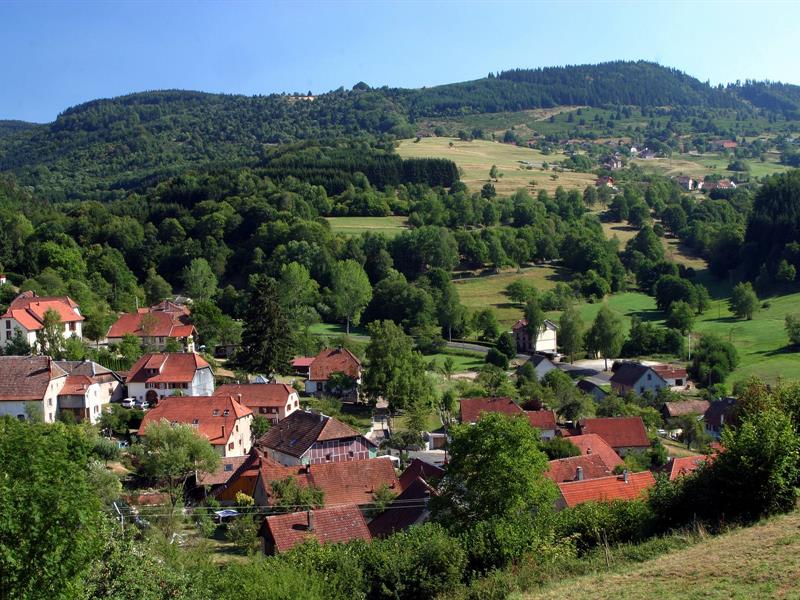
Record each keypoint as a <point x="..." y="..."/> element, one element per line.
<point x="541" y="419"/>
<point x="420" y="469"/>
<point x="619" y="432"/>
<point x="169" y="367"/>
<point x="606" y="489"/>
<point x="334" y="360"/>
<point x="346" y="482"/>
<point x="471" y="408"/>
<point x="593" y="444"/>
<point x="161" y="324"/>
<point x="670" y="371"/>
<point x="76" y="385"/>
<point x="27" y="377"/>
<point x="302" y="362"/>
<point x="407" y="509"/>
<point x="254" y="395"/>
<point x="28" y="309"/>
<point x="684" y="465"/>
<point x="214" y="417"/>
<point x="566" y="469"/>
<point x="326" y="525"/>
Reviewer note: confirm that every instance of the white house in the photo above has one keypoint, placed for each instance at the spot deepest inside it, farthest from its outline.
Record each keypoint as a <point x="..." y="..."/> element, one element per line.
<point x="635" y="377"/>
<point x="546" y="342"/>
<point x="156" y="376"/>
<point x="26" y="314"/>
<point x="30" y="387"/>
<point x="89" y="387"/>
<point x="274" y="401"/>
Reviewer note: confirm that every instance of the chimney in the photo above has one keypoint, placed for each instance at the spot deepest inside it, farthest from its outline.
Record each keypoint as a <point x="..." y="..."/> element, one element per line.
<point x="579" y="474"/>
<point x="625" y="475"/>
<point x="310" y="514"/>
<point x="239" y="398"/>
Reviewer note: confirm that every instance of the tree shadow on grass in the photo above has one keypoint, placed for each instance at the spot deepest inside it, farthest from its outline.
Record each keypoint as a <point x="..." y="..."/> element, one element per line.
<point x="648" y="314"/>
<point x="779" y="351"/>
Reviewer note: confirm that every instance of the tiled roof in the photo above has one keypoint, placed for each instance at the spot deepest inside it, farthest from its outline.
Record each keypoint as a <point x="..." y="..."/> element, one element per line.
<point x="334" y="360"/>
<point x="686" y="407"/>
<point x="302" y="362"/>
<point x="172" y="367"/>
<point x="619" y="432"/>
<point x="28" y="309"/>
<point x="406" y="510"/>
<point x="347" y="482"/>
<point x="541" y="419"/>
<point x="161" y="324"/>
<point x="566" y="469"/>
<point x="326" y="525"/>
<point x="27" y="377"/>
<point x="670" y="371"/>
<point x="593" y="444"/>
<point x="257" y="394"/>
<point x="719" y="412"/>
<point x="227" y="468"/>
<point x="89" y="368"/>
<point x="420" y="469"/>
<point x="76" y="385"/>
<point x="684" y="465"/>
<point x="471" y="408"/>
<point x="214" y="417"/>
<point x="295" y="434"/>
<point x="606" y="488"/>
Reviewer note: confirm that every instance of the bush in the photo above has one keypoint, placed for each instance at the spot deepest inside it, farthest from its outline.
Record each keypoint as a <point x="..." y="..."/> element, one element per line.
<point x="497" y="543"/>
<point x="598" y="523"/>
<point x="497" y="358"/>
<point x="243" y="532"/>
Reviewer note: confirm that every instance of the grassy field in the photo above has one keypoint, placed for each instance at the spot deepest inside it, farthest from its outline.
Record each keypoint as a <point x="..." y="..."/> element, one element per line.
<point x="485" y="291"/>
<point x="475" y="158"/>
<point x="708" y="164"/>
<point x="762" y="561"/>
<point x="390" y="226"/>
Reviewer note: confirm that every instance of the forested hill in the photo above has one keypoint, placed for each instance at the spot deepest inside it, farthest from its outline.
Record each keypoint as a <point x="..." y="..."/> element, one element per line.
<point x="105" y="147"/>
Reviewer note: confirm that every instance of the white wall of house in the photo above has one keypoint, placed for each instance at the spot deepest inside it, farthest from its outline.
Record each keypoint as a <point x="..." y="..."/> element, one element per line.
<point x="47" y="407"/>
<point x="87" y="407"/>
<point x="8" y="326"/>
<point x="649" y="381"/>
<point x="547" y="342"/>
<point x="20" y="409"/>
<point x="202" y="383"/>
<point x="285" y="459"/>
<point x="240" y="440"/>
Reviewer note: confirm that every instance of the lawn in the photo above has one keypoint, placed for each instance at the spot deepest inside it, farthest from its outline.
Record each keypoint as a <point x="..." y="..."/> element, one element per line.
<point x="463" y="360"/>
<point x="475" y="158"/>
<point x="762" y="561"/>
<point x="390" y="226"/>
<point x="708" y="164"/>
<point x="482" y="291"/>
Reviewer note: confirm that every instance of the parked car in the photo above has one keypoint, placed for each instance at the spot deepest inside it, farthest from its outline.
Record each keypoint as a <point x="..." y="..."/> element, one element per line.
<point x="129" y="402"/>
<point x="142" y="404"/>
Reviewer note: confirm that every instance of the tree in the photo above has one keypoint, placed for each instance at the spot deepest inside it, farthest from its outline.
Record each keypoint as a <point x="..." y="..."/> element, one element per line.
<point x="786" y="272"/>
<point x="50" y="338"/>
<point x="199" y="280"/>
<point x="793" y="329"/>
<point x="351" y="291"/>
<point x="156" y="288"/>
<point x="259" y="426"/>
<point x="485" y="322"/>
<point x="130" y="348"/>
<point x="743" y="301"/>
<point x="680" y="316"/>
<point x="448" y="367"/>
<point x="570" y="332"/>
<point x="18" y="346"/>
<point x="496" y="470"/>
<point x="535" y="317"/>
<point x="506" y="345"/>
<point x="173" y="453"/>
<point x="713" y="360"/>
<point x="497" y="358"/>
<point x="606" y="334"/>
<point x="97" y="322"/>
<point x="267" y="337"/>
<point x="288" y="495"/>
<point x="494" y="173"/>
<point x="520" y="291"/>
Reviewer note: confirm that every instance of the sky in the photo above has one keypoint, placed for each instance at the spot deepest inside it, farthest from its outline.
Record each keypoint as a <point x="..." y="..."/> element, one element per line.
<point x="54" y="55"/>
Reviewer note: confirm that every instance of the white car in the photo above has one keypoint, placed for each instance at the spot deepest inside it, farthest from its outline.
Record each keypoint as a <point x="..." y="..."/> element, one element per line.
<point x="129" y="402"/>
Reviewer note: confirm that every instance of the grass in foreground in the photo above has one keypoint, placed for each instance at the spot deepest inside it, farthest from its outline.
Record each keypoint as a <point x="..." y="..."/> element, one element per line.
<point x="762" y="561"/>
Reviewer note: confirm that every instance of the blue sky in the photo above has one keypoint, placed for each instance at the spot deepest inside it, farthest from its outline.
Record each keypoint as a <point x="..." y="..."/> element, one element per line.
<point x="57" y="54"/>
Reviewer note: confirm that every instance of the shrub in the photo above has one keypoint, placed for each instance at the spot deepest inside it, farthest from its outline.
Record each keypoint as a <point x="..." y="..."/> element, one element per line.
<point x="596" y="523"/>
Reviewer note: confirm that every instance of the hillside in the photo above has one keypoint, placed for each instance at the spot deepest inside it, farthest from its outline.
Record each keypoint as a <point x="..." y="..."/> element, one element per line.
<point x="104" y="147"/>
<point x="762" y="561"/>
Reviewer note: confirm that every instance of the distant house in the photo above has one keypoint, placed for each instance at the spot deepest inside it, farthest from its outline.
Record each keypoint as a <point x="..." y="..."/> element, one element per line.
<point x="672" y="410"/>
<point x="675" y="375"/>
<point x="305" y="438"/>
<point x="26" y="314"/>
<point x="325" y="525"/>
<point x="546" y="342"/>
<point x="686" y="182"/>
<point x="724" y="144"/>
<point x="647" y="154"/>
<point x="725" y="184"/>
<point x="719" y="414"/>
<point x="156" y="376"/>
<point x="592" y="444"/>
<point x="635" y="377"/>
<point x="541" y="364"/>
<point x="411" y="506"/>
<point x="577" y="468"/>
<point x="604" y="181"/>
<point x="29" y="387"/>
<point x="331" y="361"/>
<point x="155" y="325"/>
<point x="685" y="465"/>
<point x="593" y="388"/>
<point x="275" y="401"/>
<point x="544" y="421"/>
<point x="349" y="482"/>
<point x="623" y="434"/>
<point x="220" y="419"/>
<point x="628" y="486"/>
<point x="88" y="388"/>
<point x="612" y="163"/>
<point x="110" y="384"/>
<point x="472" y="408"/>
<point x="301" y="364"/>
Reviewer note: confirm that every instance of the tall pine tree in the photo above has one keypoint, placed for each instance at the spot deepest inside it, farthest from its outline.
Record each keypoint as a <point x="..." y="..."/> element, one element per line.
<point x="267" y="337"/>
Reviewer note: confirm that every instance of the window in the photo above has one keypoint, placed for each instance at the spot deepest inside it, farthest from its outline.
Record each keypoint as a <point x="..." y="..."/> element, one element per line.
<point x="215" y="412"/>
<point x="649" y="377"/>
<point x="72" y="326"/>
<point x="327" y="457"/>
<point x="196" y="422"/>
<point x="8" y="324"/>
<point x="8" y="335"/>
<point x="237" y="428"/>
<point x="225" y="413"/>
<point x="229" y="467"/>
<point x="230" y="446"/>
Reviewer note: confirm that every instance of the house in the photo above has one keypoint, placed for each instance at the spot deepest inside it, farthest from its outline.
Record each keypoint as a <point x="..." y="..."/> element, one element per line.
<point x="612" y="163"/>
<point x="718" y="414"/>
<point x="724" y="144"/>
<point x="672" y="410"/>
<point x="725" y="184"/>
<point x="577" y="468"/>
<point x="546" y="342"/>
<point x="544" y="421"/>
<point x="592" y="444"/>
<point x="329" y="362"/>
<point x="231" y="479"/>
<point x="325" y="525"/>
<point x="675" y="375"/>
<point x="26" y="314"/>
<point x="29" y="387"/>
<point x="155" y="326"/>
<point x="686" y="182"/>
<point x="420" y="469"/>
<point x="81" y="397"/>
<point x="349" y="482"/>
<point x="220" y="419"/>
<point x="228" y="467"/>
<point x="305" y="438"/>
<point x="407" y="509"/>
<point x="647" y="154"/>
<point x="593" y="387"/>
<point x="109" y="383"/>
<point x="635" y="377"/>
<point x="301" y="364"/>
<point x="541" y="365"/>
<point x="471" y="408"/>
<point x="684" y="465"/>
<point x="623" y="434"/>
<point x="628" y="486"/>
<point x="156" y="376"/>
<point x="275" y="401"/>
<point x="604" y="181"/>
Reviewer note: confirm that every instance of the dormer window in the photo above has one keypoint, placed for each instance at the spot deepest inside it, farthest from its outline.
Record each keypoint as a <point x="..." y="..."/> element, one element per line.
<point x="225" y="413"/>
<point x="196" y="422"/>
<point x="215" y="412"/>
